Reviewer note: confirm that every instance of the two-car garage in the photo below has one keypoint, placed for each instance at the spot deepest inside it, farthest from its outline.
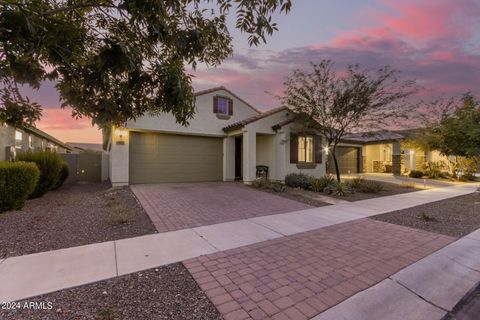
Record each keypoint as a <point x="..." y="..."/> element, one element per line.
<point x="158" y="157"/>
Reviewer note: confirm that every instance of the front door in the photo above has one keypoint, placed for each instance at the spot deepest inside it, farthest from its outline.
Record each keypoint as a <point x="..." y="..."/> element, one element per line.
<point x="238" y="158"/>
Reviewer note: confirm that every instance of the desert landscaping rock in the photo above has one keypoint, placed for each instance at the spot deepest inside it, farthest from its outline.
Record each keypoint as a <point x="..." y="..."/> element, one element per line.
<point x="455" y="217"/>
<point x="73" y="215"/>
<point x="168" y="292"/>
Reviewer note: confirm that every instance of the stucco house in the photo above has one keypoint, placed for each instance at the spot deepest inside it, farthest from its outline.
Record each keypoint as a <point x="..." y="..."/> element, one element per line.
<point x="13" y="140"/>
<point x="228" y="138"/>
<point x="225" y="141"/>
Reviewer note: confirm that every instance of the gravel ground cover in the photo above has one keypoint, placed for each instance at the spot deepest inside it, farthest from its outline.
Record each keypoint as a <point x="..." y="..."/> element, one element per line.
<point x="389" y="189"/>
<point x="73" y="215"/>
<point x="454" y="217"/>
<point x="168" y="292"/>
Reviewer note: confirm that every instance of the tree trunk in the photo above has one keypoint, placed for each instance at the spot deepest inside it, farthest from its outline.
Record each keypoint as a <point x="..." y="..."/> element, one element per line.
<point x="334" y="156"/>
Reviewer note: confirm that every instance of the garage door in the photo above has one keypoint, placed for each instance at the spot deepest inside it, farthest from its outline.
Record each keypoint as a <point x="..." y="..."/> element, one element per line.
<point x="347" y="158"/>
<point x="174" y="158"/>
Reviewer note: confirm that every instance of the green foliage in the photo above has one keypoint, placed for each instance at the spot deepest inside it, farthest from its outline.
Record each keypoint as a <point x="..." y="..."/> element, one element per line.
<point x="427" y="218"/>
<point x="434" y="169"/>
<point x="50" y="165"/>
<point x="64" y="172"/>
<point x="17" y="182"/>
<point x="339" y="189"/>
<point x="261" y="183"/>
<point x="298" y="180"/>
<point x="118" y="60"/>
<point x="468" y="167"/>
<point x="416" y="174"/>
<point x="457" y="133"/>
<point x="351" y="100"/>
<point x="366" y="186"/>
<point x="318" y="185"/>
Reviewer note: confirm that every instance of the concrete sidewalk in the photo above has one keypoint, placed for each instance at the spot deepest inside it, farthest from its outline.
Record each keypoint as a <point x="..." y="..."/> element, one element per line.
<point x="427" y="289"/>
<point x="30" y="275"/>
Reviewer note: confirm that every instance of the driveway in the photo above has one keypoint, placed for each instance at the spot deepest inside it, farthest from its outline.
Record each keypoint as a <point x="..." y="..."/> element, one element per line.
<point x="300" y="276"/>
<point x="175" y="206"/>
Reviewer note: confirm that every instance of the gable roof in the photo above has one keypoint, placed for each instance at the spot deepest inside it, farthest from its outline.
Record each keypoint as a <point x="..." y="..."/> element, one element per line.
<point x="374" y="136"/>
<point x="242" y="123"/>
<point x="207" y="91"/>
<point x="46" y="136"/>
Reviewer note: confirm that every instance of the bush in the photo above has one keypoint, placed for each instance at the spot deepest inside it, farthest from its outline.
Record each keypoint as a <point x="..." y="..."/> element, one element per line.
<point x="298" y="180"/>
<point x="261" y="183"/>
<point x="17" y="182"/>
<point x="433" y="169"/>
<point x="416" y="174"/>
<point x="64" y="172"/>
<point x="318" y="185"/>
<point x="366" y="186"/>
<point x="50" y="165"/>
<point x="339" y="189"/>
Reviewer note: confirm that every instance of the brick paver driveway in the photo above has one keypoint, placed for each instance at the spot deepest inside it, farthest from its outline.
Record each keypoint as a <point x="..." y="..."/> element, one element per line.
<point x="299" y="276"/>
<point x="175" y="206"/>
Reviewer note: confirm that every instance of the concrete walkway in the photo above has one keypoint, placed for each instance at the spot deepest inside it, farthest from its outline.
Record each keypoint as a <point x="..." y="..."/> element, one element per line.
<point x="30" y="275"/>
<point x="427" y="289"/>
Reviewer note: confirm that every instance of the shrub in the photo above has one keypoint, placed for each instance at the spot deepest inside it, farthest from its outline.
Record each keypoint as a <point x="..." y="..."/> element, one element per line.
<point x="339" y="189"/>
<point x="318" y="185"/>
<point x="278" y="187"/>
<point x="433" y="169"/>
<point x="64" y="172"/>
<point x="261" y="183"/>
<point x="298" y="180"/>
<point x="50" y="165"/>
<point x="17" y="182"/>
<point x="416" y="174"/>
<point x="366" y="186"/>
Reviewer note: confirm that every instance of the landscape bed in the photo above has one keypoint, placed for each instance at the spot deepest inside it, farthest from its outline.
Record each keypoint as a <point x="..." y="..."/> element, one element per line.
<point x="73" y="215"/>
<point x="168" y="292"/>
<point x="455" y="217"/>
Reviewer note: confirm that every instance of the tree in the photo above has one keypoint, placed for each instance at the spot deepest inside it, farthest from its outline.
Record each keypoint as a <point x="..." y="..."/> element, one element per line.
<point x="115" y="60"/>
<point x="456" y="133"/>
<point x="357" y="100"/>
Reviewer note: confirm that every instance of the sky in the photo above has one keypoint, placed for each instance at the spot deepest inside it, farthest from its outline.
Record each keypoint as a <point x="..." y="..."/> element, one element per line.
<point x="434" y="42"/>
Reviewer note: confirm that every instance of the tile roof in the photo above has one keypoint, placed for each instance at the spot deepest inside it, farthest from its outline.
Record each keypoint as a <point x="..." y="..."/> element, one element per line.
<point x="244" y="122"/>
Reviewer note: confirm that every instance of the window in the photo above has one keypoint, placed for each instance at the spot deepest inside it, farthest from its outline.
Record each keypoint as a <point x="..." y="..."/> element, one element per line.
<point x="305" y="149"/>
<point x="222" y="105"/>
<point x="30" y="141"/>
<point x="18" y="139"/>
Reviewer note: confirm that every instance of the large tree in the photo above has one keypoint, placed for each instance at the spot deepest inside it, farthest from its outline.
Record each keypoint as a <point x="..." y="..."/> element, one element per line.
<point x="115" y="60"/>
<point x="354" y="100"/>
<point x="455" y="131"/>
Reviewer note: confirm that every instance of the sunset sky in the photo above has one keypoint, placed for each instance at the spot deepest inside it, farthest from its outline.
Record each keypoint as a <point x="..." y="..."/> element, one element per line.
<point x="433" y="41"/>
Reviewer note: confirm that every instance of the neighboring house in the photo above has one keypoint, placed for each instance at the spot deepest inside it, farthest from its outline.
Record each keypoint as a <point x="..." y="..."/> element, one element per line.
<point x="225" y="141"/>
<point x="86" y="147"/>
<point x="385" y="152"/>
<point x="13" y="140"/>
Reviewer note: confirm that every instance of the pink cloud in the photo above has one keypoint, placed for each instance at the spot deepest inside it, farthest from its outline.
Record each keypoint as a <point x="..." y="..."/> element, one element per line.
<point x="60" y="124"/>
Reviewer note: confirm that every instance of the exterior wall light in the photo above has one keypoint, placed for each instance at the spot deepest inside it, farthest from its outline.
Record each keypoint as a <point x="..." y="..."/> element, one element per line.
<point x="120" y="134"/>
<point x="326" y="149"/>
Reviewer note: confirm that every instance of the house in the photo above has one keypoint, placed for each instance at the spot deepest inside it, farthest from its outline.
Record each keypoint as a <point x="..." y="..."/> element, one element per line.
<point x="13" y="140"/>
<point x="79" y="147"/>
<point x="385" y="152"/>
<point x="225" y="141"/>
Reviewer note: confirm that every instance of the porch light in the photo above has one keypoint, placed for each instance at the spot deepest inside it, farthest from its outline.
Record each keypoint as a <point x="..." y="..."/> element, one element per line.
<point x="120" y="133"/>
<point x="326" y="149"/>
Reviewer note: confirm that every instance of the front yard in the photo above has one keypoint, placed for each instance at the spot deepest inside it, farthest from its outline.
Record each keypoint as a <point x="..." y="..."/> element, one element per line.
<point x="454" y="217"/>
<point x="167" y="292"/>
<point x="73" y="215"/>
